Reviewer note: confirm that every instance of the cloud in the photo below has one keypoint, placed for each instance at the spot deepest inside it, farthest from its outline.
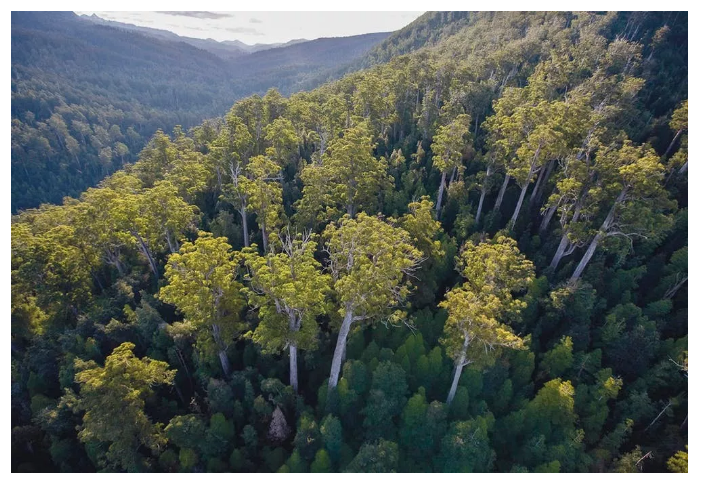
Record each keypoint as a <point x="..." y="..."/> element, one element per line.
<point x="255" y="20"/>
<point x="201" y="15"/>
<point x="244" y="30"/>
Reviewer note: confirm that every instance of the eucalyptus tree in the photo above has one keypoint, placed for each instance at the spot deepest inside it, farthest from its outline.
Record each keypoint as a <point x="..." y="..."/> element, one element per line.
<point x="231" y="151"/>
<point x="113" y="398"/>
<point x="448" y="145"/>
<point x="261" y="185"/>
<point x="679" y="124"/>
<point x="631" y="178"/>
<point x="369" y="260"/>
<point x="202" y="285"/>
<point x="493" y="271"/>
<point x="283" y="141"/>
<point x="348" y="179"/>
<point x="289" y="290"/>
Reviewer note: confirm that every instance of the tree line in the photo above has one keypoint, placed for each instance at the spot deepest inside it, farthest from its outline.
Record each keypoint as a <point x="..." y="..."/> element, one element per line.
<point x="430" y="265"/>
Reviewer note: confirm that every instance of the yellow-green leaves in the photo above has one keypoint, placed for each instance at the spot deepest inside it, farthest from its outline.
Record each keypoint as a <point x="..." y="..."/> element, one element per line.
<point x="423" y="228"/>
<point x="448" y="144"/>
<point x="369" y="259"/>
<point x="290" y="290"/>
<point x="348" y="179"/>
<point x="262" y="188"/>
<point x="202" y="285"/>
<point x="493" y="272"/>
<point x="113" y="398"/>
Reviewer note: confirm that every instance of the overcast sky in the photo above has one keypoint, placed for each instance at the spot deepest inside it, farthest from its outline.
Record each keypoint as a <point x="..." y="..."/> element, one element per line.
<point x="265" y="27"/>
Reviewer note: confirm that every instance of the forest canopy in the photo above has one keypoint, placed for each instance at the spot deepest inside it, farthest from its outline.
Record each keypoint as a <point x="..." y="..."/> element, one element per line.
<point x="468" y="257"/>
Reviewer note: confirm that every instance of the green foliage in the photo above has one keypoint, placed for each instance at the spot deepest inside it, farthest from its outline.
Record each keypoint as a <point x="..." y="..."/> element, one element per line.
<point x="113" y="398"/>
<point x="321" y="463"/>
<point x="678" y="463"/>
<point x="110" y="290"/>
<point x="466" y="447"/>
<point x="379" y="457"/>
<point x="559" y="359"/>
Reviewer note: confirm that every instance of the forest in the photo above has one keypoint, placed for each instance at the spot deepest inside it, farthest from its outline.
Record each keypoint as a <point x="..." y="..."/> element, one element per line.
<point x="86" y="97"/>
<point x="470" y="256"/>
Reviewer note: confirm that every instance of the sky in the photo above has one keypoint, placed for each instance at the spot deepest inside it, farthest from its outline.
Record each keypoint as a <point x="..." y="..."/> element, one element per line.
<point x="265" y="27"/>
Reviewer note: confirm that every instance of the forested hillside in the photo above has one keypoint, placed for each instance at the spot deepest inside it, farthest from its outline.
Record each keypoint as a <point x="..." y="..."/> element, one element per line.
<point x="470" y="258"/>
<point x="87" y="96"/>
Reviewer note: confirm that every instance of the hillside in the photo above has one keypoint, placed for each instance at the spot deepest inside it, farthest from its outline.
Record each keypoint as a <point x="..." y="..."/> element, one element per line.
<point x="470" y="258"/>
<point x="228" y="49"/>
<point x="86" y="95"/>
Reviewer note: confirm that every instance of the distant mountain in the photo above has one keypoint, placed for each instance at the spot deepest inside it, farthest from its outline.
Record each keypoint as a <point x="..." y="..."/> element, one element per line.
<point x="295" y="67"/>
<point x="221" y="49"/>
<point x="226" y="49"/>
<point x="87" y="93"/>
<point x="258" y="47"/>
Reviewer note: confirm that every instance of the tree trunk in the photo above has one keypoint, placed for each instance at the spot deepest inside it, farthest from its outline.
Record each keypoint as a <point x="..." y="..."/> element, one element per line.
<point x="479" y="205"/>
<point x="500" y="196"/>
<point x="173" y="245"/>
<point x="547" y="218"/>
<point x="245" y="233"/>
<point x="452" y="176"/>
<point x="294" y="325"/>
<point x="224" y="363"/>
<point x="293" y="368"/>
<point x="113" y="259"/>
<point x="460" y="363"/>
<point x="599" y="236"/>
<point x="517" y="209"/>
<point x="483" y="193"/>
<point x="145" y="250"/>
<point x="440" y="194"/>
<point x="454" y="385"/>
<point x="560" y="251"/>
<point x="672" y="291"/>
<point x="587" y="256"/>
<point x="97" y="281"/>
<point x="265" y="237"/>
<point x="542" y="182"/>
<point x="539" y="180"/>
<point x="684" y="168"/>
<point x="339" y="350"/>
<point x="670" y="146"/>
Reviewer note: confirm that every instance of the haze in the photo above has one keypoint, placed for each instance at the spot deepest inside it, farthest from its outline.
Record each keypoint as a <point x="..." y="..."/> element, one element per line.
<point x="264" y="27"/>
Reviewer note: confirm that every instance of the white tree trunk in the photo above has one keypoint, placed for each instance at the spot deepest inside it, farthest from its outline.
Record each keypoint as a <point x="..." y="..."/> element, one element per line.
<point x="147" y="253"/>
<point x="339" y="350"/>
<point x="245" y="233"/>
<point x="293" y="368"/>
<point x="500" y="196"/>
<point x="559" y="252"/>
<point x="483" y="193"/>
<point x="265" y="237"/>
<point x="670" y="146"/>
<point x="459" y="364"/>
<point x="517" y="209"/>
<point x="542" y="182"/>
<point x="684" y="168"/>
<point x="454" y="385"/>
<point x="598" y="237"/>
<point x="547" y="218"/>
<point x="479" y="205"/>
<point x="224" y="363"/>
<point x="439" y="200"/>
